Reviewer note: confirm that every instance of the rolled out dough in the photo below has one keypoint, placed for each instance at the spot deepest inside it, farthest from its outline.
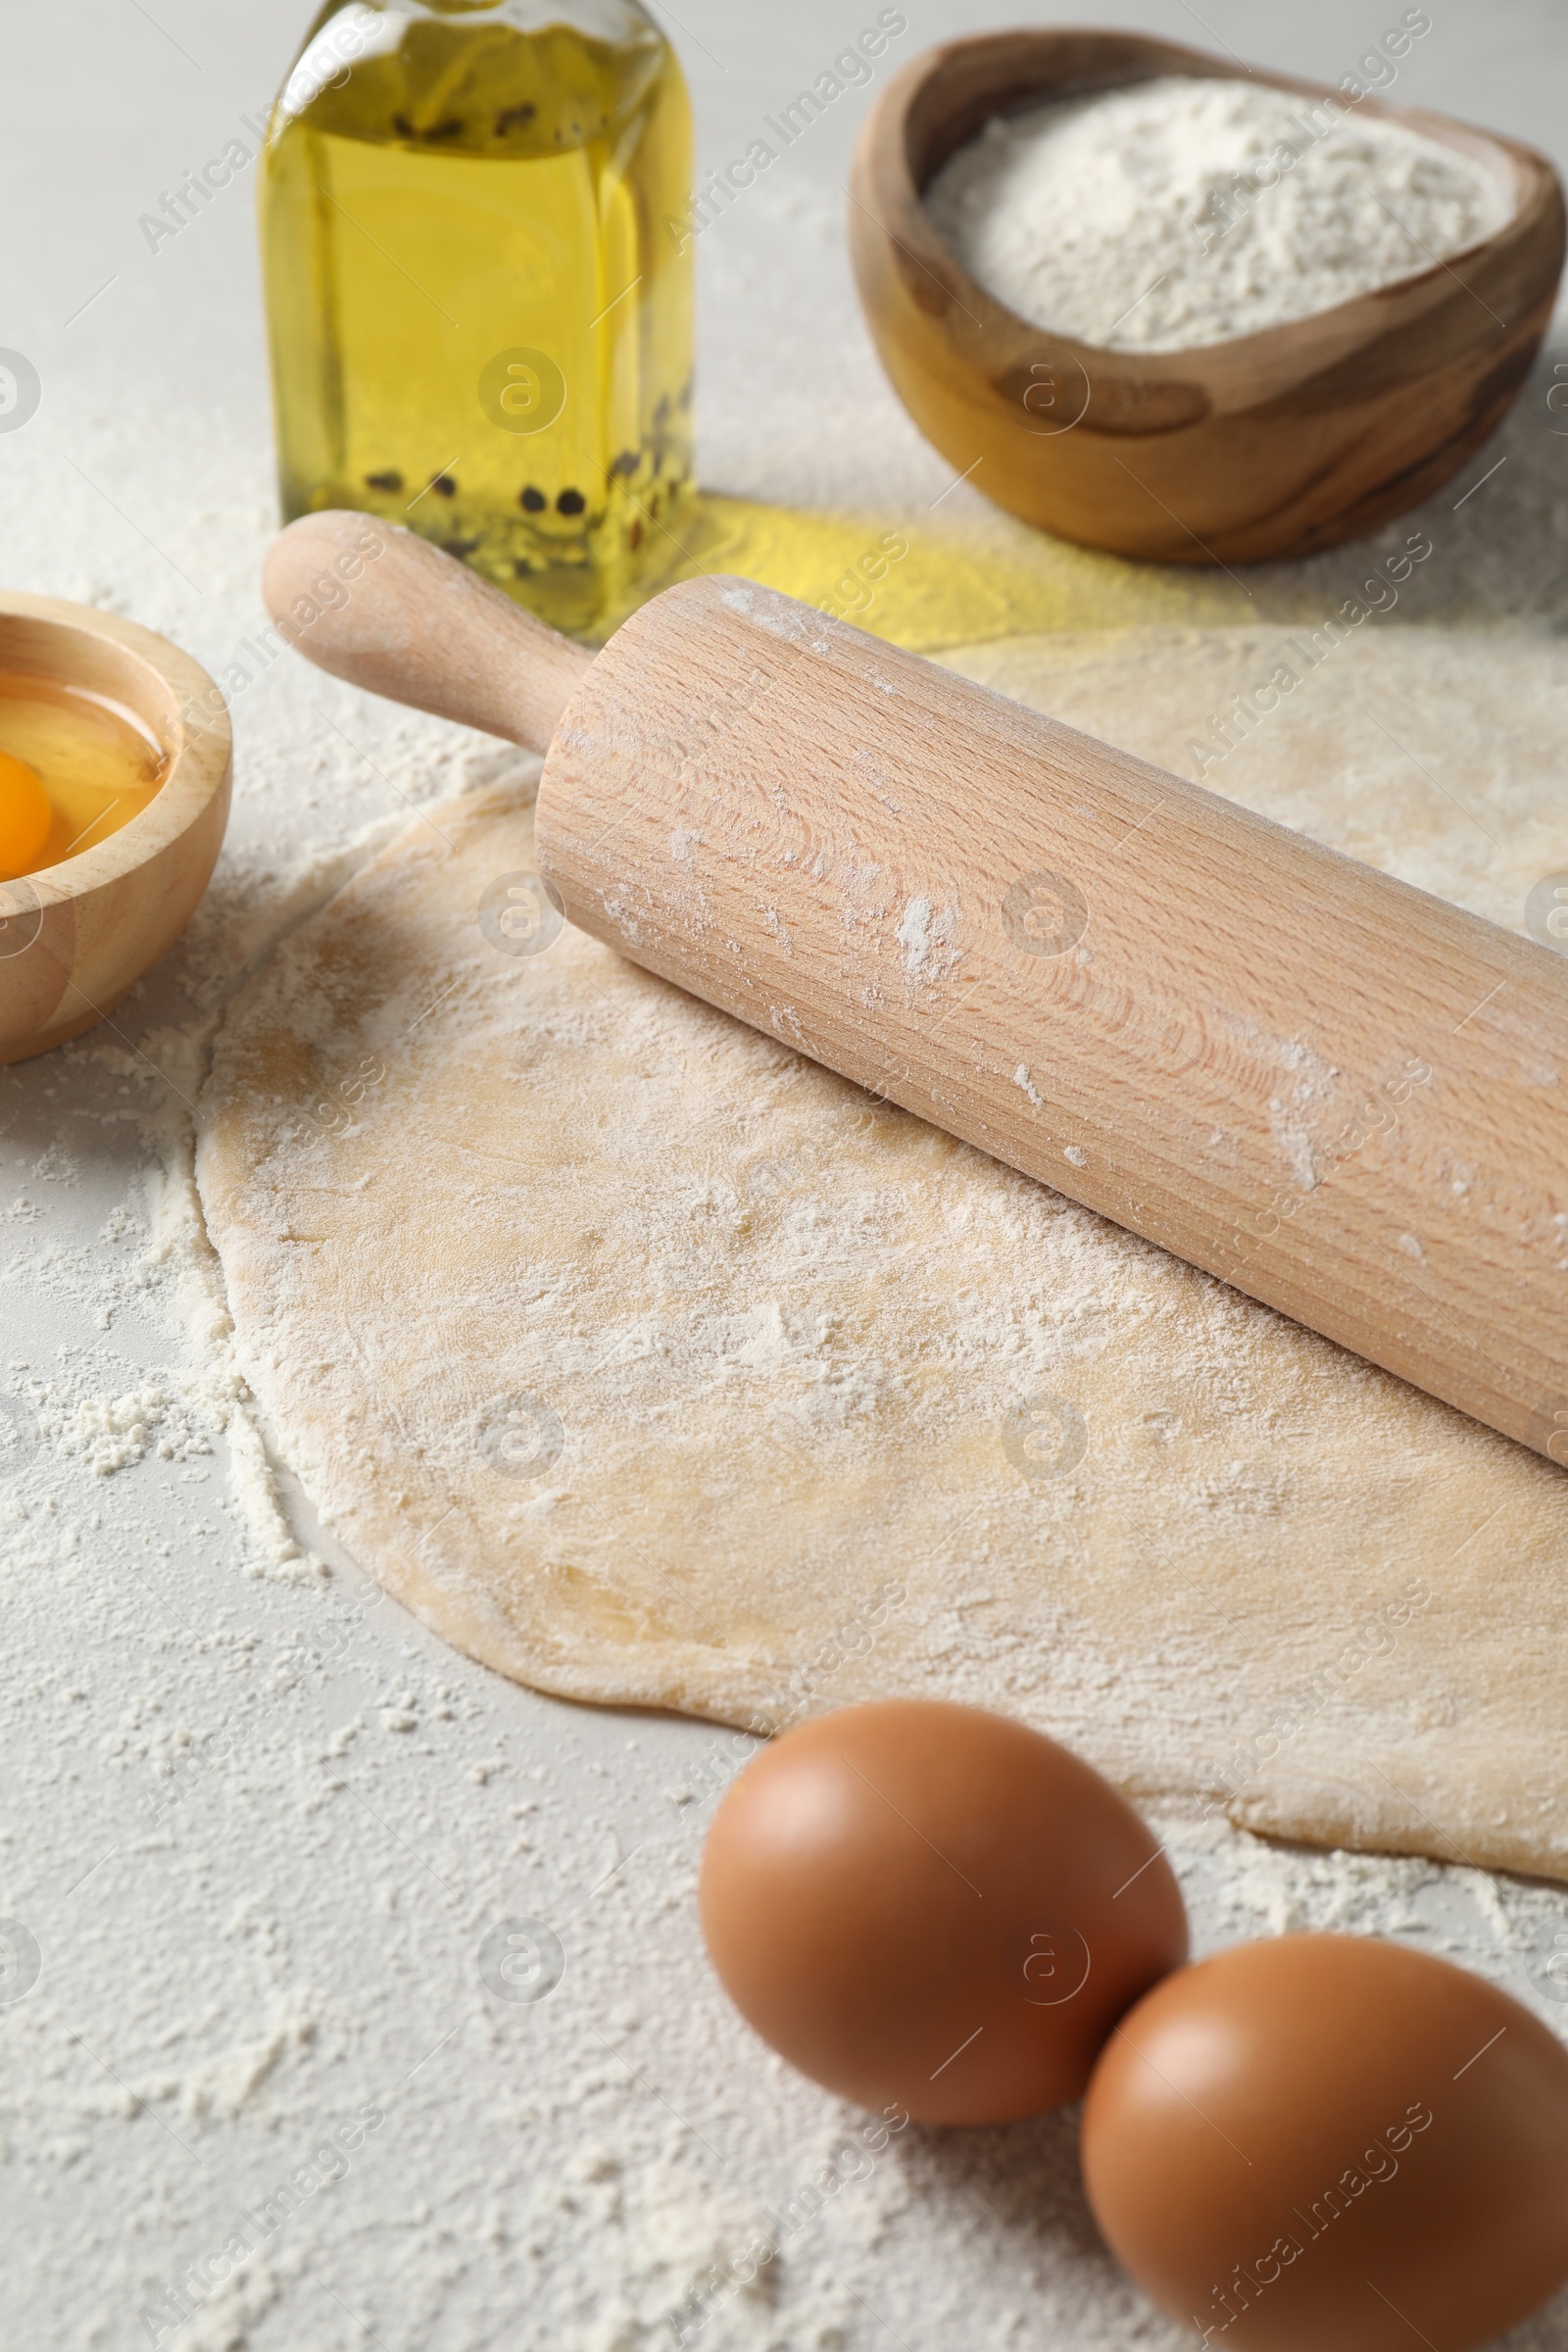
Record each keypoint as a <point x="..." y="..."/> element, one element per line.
<point x="649" y="1363"/>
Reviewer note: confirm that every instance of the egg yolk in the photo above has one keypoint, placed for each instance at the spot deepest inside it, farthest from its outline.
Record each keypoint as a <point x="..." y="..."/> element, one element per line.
<point x="26" y="817"/>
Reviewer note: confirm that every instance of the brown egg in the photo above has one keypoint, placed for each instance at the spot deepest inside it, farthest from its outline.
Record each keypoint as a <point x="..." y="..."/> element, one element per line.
<point x="933" y="1906"/>
<point x="1325" y="2144"/>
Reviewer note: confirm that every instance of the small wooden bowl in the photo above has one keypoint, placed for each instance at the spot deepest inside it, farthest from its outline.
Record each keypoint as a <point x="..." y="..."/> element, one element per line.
<point x="1269" y="445"/>
<point x="76" y="937"/>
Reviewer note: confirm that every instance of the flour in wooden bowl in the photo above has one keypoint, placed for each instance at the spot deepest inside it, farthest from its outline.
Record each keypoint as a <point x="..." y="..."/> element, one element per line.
<point x="1182" y="212"/>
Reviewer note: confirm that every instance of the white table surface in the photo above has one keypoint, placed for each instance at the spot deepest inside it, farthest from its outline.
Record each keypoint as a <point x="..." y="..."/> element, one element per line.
<point x="243" y="1943"/>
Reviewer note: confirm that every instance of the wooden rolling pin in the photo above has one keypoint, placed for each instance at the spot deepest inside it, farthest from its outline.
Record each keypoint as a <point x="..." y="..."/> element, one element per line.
<point x="1346" y="1097"/>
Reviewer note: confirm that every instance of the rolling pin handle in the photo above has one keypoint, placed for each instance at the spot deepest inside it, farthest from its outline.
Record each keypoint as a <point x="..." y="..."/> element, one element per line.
<point x="376" y="605"/>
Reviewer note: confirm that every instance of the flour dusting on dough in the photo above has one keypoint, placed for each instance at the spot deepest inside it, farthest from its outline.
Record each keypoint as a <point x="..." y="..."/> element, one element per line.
<point x="705" y="1344"/>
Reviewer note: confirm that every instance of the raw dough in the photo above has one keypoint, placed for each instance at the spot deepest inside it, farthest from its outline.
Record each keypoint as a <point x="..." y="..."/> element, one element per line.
<point x="652" y="1364"/>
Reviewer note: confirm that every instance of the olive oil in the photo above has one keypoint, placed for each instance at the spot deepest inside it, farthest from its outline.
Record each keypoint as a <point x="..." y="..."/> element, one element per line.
<point x="480" y="318"/>
<point x="74" y="768"/>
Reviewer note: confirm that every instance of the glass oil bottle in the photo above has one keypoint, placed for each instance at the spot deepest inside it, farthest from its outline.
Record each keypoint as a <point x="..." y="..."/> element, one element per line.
<point x="480" y="311"/>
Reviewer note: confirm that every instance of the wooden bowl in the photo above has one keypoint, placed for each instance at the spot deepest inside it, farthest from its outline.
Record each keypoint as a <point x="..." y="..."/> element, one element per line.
<point x="1272" y="444"/>
<point x="76" y="937"/>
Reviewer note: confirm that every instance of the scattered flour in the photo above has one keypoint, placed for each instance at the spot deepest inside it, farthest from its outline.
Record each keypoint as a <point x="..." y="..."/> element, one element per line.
<point x="174" y="1414"/>
<point x="225" y="2323"/>
<point x="1182" y="211"/>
